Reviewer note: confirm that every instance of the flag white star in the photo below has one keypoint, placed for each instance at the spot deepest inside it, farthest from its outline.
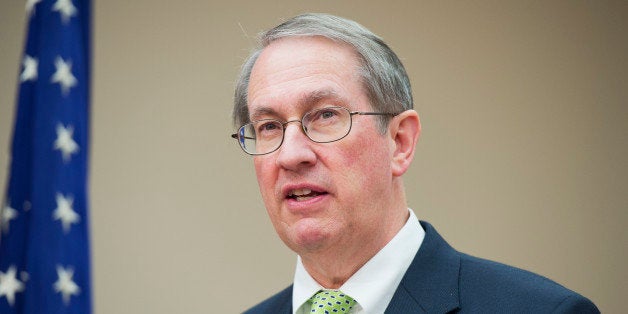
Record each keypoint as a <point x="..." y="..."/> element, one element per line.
<point x="65" y="285"/>
<point x="8" y="214"/>
<point x="9" y="285"/>
<point x="65" y="8"/>
<point x="64" y="142"/>
<point x="30" y="6"/>
<point x="63" y="75"/>
<point x="65" y="213"/>
<point x="30" y="69"/>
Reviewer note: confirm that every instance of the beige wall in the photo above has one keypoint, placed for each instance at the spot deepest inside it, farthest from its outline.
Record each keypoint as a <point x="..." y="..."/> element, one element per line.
<point x="522" y="159"/>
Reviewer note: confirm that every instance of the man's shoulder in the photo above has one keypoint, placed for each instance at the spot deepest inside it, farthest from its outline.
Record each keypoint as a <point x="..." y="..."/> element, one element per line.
<point x="278" y="303"/>
<point x="488" y="284"/>
<point x="442" y="279"/>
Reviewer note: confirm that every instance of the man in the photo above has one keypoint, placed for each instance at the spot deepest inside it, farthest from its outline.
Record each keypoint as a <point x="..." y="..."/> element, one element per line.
<point x="325" y="108"/>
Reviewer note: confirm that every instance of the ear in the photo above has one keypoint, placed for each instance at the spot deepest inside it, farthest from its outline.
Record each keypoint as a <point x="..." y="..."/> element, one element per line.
<point x="404" y="131"/>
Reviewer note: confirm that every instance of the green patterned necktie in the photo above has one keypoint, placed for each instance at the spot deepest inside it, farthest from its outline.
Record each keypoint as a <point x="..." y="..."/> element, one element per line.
<point x="331" y="302"/>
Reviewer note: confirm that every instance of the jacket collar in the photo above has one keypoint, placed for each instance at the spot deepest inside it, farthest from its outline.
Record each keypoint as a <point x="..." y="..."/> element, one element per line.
<point x="431" y="282"/>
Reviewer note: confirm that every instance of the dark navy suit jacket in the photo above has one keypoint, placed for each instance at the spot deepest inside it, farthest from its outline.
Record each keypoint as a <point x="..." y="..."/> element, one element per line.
<point x="443" y="280"/>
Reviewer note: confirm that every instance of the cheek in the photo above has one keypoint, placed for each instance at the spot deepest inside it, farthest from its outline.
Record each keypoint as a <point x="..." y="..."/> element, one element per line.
<point x="265" y="176"/>
<point x="367" y="162"/>
<point x="371" y="152"/>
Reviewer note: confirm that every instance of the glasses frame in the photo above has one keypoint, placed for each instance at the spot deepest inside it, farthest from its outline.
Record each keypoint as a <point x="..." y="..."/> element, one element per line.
<point x="236" y="136"/>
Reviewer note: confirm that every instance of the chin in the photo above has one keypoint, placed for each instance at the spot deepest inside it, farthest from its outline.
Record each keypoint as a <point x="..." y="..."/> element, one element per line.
<point x="306" y="235"/>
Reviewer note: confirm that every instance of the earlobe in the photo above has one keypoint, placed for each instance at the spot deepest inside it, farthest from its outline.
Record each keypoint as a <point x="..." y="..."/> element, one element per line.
<point x="405" y="131"/>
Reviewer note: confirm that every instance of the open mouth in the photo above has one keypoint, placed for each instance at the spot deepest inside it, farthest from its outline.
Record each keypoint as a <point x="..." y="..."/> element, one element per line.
<point x="303" y="194"/>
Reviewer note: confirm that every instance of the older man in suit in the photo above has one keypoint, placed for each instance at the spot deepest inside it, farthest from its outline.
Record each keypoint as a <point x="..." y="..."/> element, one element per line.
<point x="325" y="108"/>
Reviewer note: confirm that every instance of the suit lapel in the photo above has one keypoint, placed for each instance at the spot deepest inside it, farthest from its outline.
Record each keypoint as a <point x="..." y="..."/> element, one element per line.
<point x="286" y="305"/>
<point x="430" y="284"/>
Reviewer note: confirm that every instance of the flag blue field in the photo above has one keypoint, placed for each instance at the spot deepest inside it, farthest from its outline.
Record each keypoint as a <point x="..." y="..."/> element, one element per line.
<point x="44" y="234"/>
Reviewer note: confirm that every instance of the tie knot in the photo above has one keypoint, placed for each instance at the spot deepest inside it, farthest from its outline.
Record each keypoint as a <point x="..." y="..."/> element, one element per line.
<point x="331" y="302"/>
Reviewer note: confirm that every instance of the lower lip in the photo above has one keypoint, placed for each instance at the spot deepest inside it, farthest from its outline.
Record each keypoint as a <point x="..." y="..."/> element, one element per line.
<point x="307" y="205"/>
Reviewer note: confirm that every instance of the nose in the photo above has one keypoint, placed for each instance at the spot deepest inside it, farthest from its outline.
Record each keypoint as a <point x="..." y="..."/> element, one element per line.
<point x="296" y="151"/>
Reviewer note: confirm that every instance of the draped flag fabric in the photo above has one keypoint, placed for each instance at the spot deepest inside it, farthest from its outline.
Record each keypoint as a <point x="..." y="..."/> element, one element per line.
<point x="44" y="235"/>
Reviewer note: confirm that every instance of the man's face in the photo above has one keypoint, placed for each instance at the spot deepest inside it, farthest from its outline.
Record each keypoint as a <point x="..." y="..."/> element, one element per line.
<point x="320" y="196"/>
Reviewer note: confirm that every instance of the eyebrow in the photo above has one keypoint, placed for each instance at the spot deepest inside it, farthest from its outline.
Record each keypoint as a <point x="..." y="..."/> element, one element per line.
<point x="306" y="100"/>
<point x="260" y="112"/>
<point x="318" y="95"/>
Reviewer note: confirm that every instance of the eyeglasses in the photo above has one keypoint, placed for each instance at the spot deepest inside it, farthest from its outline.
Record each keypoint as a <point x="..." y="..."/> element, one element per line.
<point x="323" y="125"/>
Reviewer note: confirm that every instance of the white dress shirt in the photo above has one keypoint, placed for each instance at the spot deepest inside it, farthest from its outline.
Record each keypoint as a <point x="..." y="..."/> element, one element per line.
<point x="373" y="285"/>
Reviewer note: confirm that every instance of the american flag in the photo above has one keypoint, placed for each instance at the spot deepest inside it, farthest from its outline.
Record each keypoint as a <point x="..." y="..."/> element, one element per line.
<point x="44" y="235"/>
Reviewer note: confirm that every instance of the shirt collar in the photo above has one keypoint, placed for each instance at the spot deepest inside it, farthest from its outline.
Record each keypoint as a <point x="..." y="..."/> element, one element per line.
<point x="373" y="285"/>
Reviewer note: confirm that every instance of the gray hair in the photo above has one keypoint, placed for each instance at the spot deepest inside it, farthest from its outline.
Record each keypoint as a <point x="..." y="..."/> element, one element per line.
<point x="382" y="73"/>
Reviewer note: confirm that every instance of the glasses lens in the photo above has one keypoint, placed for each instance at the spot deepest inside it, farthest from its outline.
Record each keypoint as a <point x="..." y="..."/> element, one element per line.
<point x="327" y="124"/>
<point x="260" y="137"/>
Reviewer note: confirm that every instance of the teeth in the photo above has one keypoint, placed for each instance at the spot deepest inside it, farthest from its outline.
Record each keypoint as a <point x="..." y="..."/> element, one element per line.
<point x="301" y="192"/>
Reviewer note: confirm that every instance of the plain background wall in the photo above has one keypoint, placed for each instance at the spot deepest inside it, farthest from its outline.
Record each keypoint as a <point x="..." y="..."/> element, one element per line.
<point x="522" y="157"/>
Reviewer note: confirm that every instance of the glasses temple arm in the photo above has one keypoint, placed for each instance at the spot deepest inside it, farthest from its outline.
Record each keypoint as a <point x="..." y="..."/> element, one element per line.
<point x="363" y="113"/>
<point x="235" y="135"/>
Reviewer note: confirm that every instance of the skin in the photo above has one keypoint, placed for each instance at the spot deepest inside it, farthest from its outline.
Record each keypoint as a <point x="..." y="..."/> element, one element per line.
<point x="360" y="204"/>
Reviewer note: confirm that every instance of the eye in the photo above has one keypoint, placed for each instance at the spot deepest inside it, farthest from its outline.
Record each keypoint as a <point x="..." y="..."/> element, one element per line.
<point x="328" y="114"/>
<point x="268" y="128"/>
<point x="324" y="114"/>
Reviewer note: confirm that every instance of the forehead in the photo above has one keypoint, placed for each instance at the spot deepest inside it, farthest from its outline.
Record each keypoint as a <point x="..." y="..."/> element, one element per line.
<point x="298" y="73"/>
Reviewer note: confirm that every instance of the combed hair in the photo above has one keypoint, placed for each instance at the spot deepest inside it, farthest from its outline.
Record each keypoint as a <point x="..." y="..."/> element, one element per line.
<point x="382" y="73"/>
